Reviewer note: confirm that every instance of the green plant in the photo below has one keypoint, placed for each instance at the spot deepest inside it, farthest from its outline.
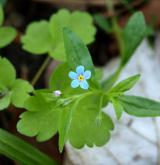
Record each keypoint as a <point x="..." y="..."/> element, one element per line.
<point x="76" y="113"/>
<point x="38" y="32"/>
<point x="7" y="34"/>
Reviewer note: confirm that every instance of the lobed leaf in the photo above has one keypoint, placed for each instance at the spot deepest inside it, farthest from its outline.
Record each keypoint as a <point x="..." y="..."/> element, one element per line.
<point x="75" y="122"/>
<point x="47" y="37"/>
<point x="84" y="128"/>
<point x="40" y="121"/>
<point x="64" y="18"/>
<point x="20" y="92"/>
<point x="12" y="90"/>
<point x="7" y="73"/>
<point x="37" y="39"/>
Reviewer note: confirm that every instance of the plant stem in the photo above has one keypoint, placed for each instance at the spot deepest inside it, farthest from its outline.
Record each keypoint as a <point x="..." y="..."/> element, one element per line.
<point x="40" y="71"/>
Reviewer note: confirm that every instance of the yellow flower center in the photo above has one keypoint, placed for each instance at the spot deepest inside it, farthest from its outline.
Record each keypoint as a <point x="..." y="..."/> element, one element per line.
<point x="81" y="78"/>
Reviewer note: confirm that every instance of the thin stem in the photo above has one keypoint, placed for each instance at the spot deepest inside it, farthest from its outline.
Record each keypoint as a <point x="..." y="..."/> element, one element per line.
<point x="40" y="71"/>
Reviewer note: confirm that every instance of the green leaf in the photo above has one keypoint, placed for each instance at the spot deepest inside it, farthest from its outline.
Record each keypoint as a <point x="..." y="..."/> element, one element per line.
<point x="7" y="73"/>
<point x="99" y="73"/>
<point x="37" y="39"/>
<point x="117" y="107"/>
<point x="13" y="91"/>
<point x="20" y="92"/>
<point x="75" y="122"/>
<point x="3" y="2"/>
<point x="19" y="150"/>
<point x="63" y="18"/>
<point x="40" y="121"/>
<point x="59" y="80"/>
<point x="126" y="84"/>
<point x="77" y="53"/>
<point x="65" y="124"/>
<point x="7" y="35"/>
<point x="133" y="34"/>
<point x="5" y="101"/>
<point x="103" y="23"/>
<point x="84" y="129"/>
<point x="140" y="106"/>
<point x="109" y="82"/>
<point x="47" y="37"/>
<point x="1" y="15"/>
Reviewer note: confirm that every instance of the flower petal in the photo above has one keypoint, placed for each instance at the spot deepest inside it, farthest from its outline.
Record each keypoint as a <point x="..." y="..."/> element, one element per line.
<point x="87" y="74"/>
<point x="84" y="84"/>
<point x="72" y="75"/>
<point x="80" y="69"/>
<point x="75" y="83"/>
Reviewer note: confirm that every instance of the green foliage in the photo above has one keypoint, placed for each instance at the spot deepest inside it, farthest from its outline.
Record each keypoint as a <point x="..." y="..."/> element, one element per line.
<point x="140" y="106"/>
<point x="84" y="128"/>
<point x="41" y="119"/>
<point x="7" y="34"/>
<point x="98" y="73"/>
<point x="12" y="90"/>
<point x="37" y="39"/>
<point x="1" y="15"/>
<point x="76" y="115"/>
<point x="7" y="72"/>
<point x="59" y="80"/>
<point x="19" y="150"/>
<point x="117" y="107"/>
<point x="3" y="2"/>
<point x="136" y="25"/>
<point x="20" y="92"/>
<point x="77" y="53"/>
<point x="44" y="118"/>
<point x="109" y="82"/>
<point x="125" y="85"/>
<point x="48" y="114"/>
<point x="51" y="39"/>
<point x="134" y="31"/>
<point x="103" y="23"/>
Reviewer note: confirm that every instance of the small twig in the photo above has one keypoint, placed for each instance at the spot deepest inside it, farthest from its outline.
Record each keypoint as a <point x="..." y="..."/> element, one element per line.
<point x="40" y="71"/>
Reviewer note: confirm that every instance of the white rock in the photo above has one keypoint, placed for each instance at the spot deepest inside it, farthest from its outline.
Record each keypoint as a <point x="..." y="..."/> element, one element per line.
<point x="133" y="142"/>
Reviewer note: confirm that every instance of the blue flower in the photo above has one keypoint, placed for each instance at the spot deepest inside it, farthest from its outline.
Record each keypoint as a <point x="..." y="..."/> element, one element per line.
<point x="79" y="77"/>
